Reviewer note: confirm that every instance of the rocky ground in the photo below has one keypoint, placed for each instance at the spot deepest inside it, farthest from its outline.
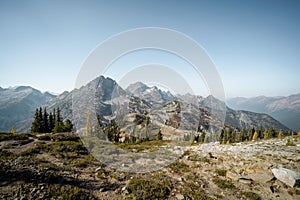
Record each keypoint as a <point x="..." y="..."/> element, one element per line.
<point x="58" y="166"/>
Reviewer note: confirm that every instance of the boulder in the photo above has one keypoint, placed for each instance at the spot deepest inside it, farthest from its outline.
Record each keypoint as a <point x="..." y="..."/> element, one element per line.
<point x="261" y="177"/>
<point x="287" y="176"/>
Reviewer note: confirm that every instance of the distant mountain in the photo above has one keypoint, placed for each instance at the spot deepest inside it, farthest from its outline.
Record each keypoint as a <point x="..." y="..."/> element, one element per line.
<point x="17" y="105"/>
<point x="107" y="99"/>
<point x="284" y="109"/>
<point x="150" y="94"/>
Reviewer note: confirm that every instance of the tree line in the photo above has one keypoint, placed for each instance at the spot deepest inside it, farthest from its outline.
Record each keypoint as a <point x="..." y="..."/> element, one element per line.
<point x="229" y="135"/>
<point x="45" y="122"/>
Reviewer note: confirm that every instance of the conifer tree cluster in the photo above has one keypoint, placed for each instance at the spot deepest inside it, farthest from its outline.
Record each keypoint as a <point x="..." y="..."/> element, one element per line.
<point x="45" y="122"/>
<point x="230" y="136"/>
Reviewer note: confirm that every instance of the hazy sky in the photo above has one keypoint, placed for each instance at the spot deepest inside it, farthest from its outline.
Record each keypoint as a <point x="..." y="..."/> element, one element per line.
<point x="254" y="44"/>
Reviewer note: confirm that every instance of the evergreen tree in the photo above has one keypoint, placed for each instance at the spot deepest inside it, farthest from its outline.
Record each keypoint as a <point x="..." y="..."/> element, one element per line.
<point x="51" y="122"/>
<point x="46" y="128"/>
<point x="112" y="131"/>
<point x="202" y="136"/>
<point x="225" y="137"/>
<point x="260" y="132"/>
<point x="233" y="136"/>
<point x="229" y="135"/>
<point x="250" y="133"/>
<point x="159" y="135"/>
<point x="266" y="134"/>
<point x="272" y="132"/>
<point x="58" y="124"/>
<point x="221" y="138"/>
<point x="242" y="135"/>
<point x="68" y="126"/>
<point x="34" y="125"/>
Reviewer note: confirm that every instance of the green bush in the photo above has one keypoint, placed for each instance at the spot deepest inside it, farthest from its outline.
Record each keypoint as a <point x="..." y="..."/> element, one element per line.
<point x="45" y="137"/>
<point x="290" y="143"/>
<point x="251" y="195"/>
<point x="221" y="172"/>
<point x="179" y="167"/>
<point x="221" y="183"/>
<point x="149" y="188"/>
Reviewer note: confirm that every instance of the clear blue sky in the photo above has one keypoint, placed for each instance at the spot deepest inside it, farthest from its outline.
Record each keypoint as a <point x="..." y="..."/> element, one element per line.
<point x="254" y="44"/>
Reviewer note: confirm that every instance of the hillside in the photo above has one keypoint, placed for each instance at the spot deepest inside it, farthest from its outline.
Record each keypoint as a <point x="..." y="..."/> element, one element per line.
<point x="105" y="97"/>
<point x="57" y="166"/>
<point x="17" y="106"/>
<point x="284" y="109"/>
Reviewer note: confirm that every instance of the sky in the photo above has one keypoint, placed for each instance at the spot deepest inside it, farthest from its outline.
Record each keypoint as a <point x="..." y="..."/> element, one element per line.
<point x="255" y="45"/>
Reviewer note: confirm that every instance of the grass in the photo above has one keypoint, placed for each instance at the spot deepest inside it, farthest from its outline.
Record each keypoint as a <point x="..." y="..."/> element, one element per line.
<point x="6" y="155"/>
<point x="221" y="172"/>
<point x="224" y="184"/>
<point x="66" y="192"/>
<point x="251" y="195"/>
<point x="179" y="167"/>
<point x="10" y="136"/>
<point x="146" y="188"/>
<point x="196" y="158"/>
<point x="194" y="191"/>
<point x="151" y="145"/>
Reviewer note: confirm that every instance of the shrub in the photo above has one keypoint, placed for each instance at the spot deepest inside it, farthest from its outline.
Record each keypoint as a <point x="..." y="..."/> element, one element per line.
<point x="194" y="191"/>
<point x="179" y="167"/>
<point x="221" y="183"/>
<point x="149" y="188"/>
<point x="290" y="143"/>
<point x="45" y="137"/>
<point x="251" y="195"/>
<point x="221" y="172"/>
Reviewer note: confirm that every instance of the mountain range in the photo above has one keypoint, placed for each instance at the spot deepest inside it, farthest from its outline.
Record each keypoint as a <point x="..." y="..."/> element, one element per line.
<point x="136" y="102"/>
<point x="284" y="109"/>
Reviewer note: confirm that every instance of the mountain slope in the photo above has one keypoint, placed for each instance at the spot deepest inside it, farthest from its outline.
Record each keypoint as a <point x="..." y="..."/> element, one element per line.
<point x="19" y="104"/>
<point x="284" y="109"/>
<point x="103" y="96"/>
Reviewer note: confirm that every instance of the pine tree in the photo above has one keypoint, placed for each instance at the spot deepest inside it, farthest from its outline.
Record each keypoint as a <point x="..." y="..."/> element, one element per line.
<point x="260" y="132"/>
<point x="202" y="136"/>
<point x="68" y="126"/>
<point x="242" y="136"/>
<point x="233" y="138"/>
<point x="272" y="132"/>
<point x="250" y="133"/>
<point x="159" y="135"/>
<point x="45" y="122"/>
<point x="221" y="138"/>
<point x="147" y="124"/>
<point x="266" y="134"/>
<point x="58" y="124"/>
<point x="51" y="122"/>
<point x="34" y="125"/>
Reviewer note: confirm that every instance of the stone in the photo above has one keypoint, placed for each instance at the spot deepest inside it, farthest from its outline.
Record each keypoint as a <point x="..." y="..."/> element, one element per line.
<point x="245" y="181"/>
<point x="97" y="169"/>
<point x="261" y="177"/>
<point x="287" y="176"/>
<point x="232" y="175"/>
<point x="179" y="196"/>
